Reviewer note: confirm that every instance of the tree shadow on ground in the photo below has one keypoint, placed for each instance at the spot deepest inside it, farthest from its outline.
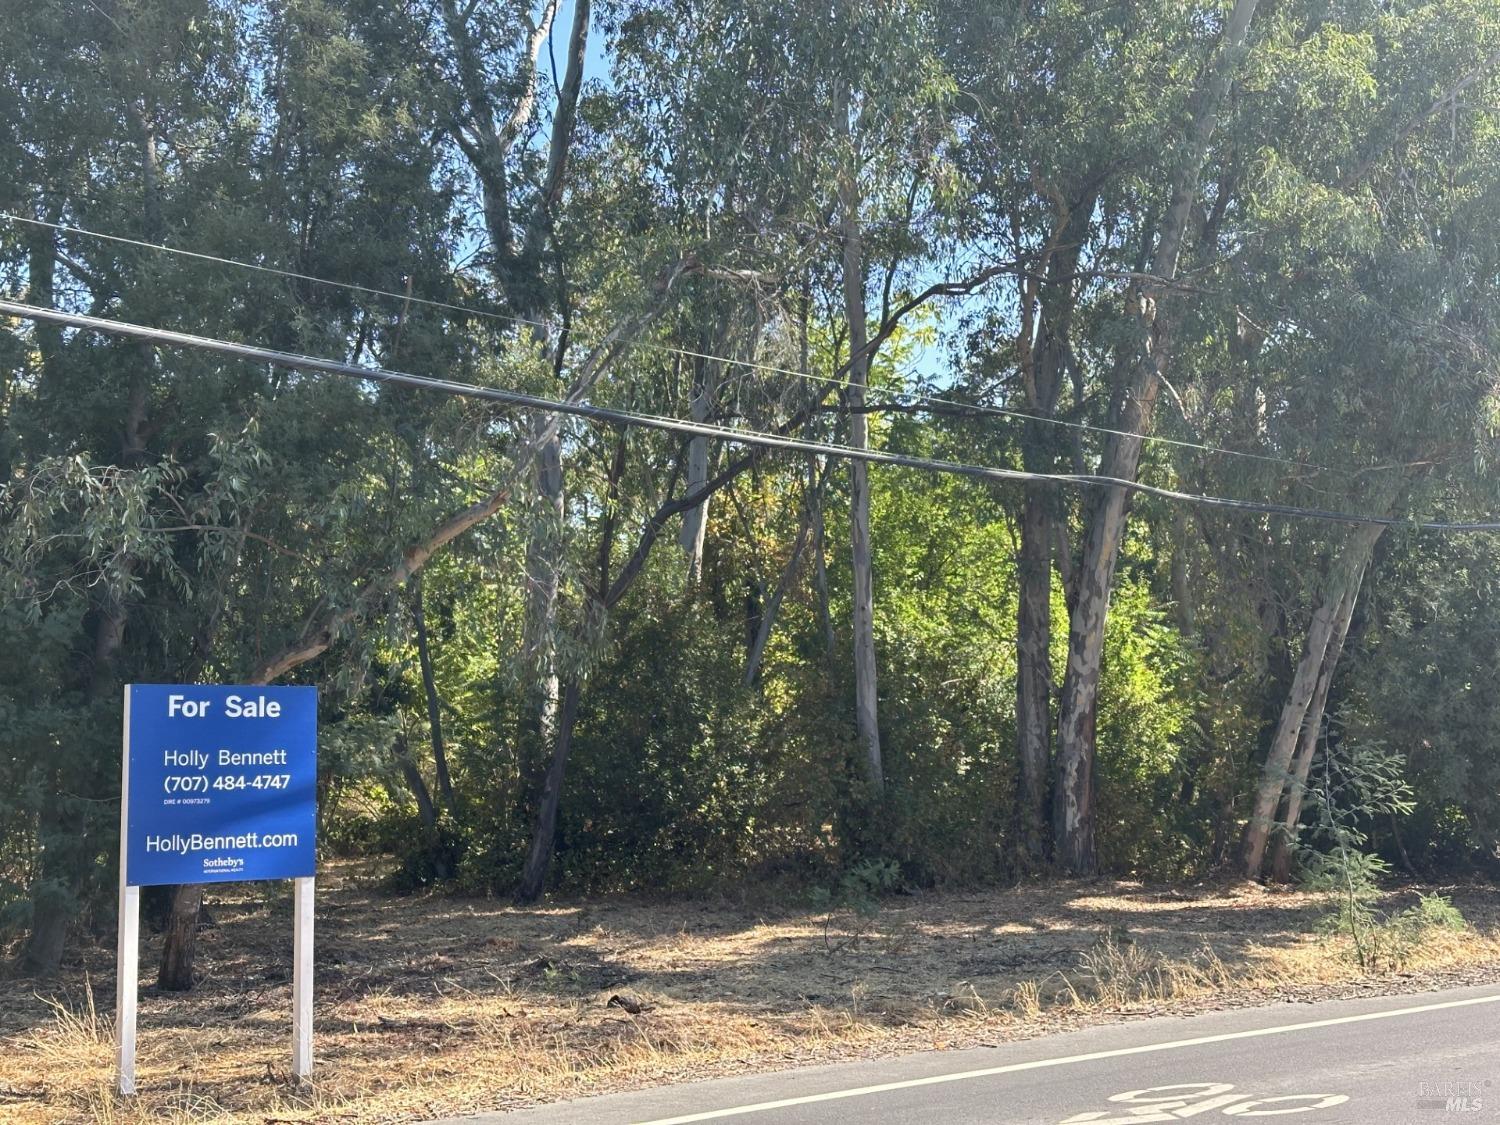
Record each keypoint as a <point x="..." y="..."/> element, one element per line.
<point x="375" y="949"/>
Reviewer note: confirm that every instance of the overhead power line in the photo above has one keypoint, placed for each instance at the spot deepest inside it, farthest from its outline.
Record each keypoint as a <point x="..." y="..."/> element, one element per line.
<point x="911" y="397"/>
<point x="753" y="438"/>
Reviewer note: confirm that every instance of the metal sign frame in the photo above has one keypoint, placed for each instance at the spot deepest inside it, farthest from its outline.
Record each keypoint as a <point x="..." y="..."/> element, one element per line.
<point x="127" y="978"/>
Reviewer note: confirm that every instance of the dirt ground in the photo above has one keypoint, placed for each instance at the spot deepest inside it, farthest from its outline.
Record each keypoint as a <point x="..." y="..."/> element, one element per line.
<point x="428" y="1005"/>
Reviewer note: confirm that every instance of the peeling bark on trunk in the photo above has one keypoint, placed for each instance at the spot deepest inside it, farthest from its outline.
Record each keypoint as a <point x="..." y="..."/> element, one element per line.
<point x="539" y="858"/>
<point x="1289" y="757"/>
<point x="1324" y="636"/>
<point x="866" y="692"/>
<point x="695" y="520"/>
<point x="1284" y="742"/>
<point x="1073" y="810"/>
<point x="1034" y="677"/>
<point x="1073" y="797"/>
<point x="1280" y="864"/>
<point x="543" y="565"/>
<point x="1045" y="319"/>
<point x="820" y="575"/>
<point x="1132" y="408"/>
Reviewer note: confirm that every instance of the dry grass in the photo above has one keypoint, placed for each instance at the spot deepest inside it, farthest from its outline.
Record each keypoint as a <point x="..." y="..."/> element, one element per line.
<point x="430" y="1005"/>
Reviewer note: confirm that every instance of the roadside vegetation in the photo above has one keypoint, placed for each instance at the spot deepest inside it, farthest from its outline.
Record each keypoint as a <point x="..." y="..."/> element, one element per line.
<point x="861" y="732"/>
<point x="430" y="1004"/>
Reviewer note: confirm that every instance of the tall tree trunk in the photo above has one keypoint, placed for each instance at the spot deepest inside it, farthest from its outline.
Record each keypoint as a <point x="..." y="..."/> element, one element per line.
<point x="1046" y="314"/>
<point x="772" y="607"/>
<point x="543" y="582"/>
<point x="180" y="943"/>
<point x="1290" y="813"/>
<point x="1320" y="648"/>
<point x="429" y="687"/>
<point x="604" y="596"/>
<point x="866" y="694"/>
<point x="416" y="784"/>
<point x="534" y="873"/>
<point x="1132" y="407"/>
<point x="50" y="902"/>
<point x="50" y="918"/>
<point x="1034" y="676"/>
<point x="539" y="857"/>
<point x="51" y="911"/>
<point x="695" y="520"/>
<point x="1073" y="813"/>
<point x="179" y="949"/>
<point x="820" y="571"/>
<point x="1312" y="729"/>
<point x="487" y="135"/>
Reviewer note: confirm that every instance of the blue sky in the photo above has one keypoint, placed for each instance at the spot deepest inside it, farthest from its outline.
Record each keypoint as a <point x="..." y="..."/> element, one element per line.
<point x="928" y="361"/>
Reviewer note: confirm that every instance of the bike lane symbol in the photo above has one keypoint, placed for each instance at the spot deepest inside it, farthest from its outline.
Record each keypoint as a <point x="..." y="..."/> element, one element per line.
<point x="1185" y="1100"/>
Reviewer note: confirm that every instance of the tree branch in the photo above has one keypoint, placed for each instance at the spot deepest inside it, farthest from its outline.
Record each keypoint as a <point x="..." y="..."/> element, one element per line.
<point x="562" y="131"/>
<point x="1443" y="100"/>
<point x="321" y="632"/>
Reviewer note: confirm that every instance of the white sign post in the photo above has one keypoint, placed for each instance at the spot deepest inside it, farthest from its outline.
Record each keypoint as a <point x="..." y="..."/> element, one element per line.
<point x="128" y="943"/>
<point x="302" y="978"/>
<point x="225" y="790"/>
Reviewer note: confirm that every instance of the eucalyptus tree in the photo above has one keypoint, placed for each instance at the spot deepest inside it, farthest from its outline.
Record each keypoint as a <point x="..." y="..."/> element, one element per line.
<point x="490" y="57"/>
<point x="219" y="471"/>
<point x="97" y="100"/>
<point x="1044" y="131"/>
<point x="1142" y="365"/>
<point x="888" y="107"/>
<point x="762" y="235"/>
<point x="1385" y="326"/>
<point x="1075" y="175"/>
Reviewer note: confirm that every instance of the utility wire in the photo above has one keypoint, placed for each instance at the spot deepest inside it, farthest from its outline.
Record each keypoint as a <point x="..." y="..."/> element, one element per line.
<point x="63" y="228"/>
<point x="755" y="438"/>
<point x="910" y="397"/>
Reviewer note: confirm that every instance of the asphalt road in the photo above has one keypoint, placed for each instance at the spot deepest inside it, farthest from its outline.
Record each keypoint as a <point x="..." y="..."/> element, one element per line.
<point x="1433" y="1057"/>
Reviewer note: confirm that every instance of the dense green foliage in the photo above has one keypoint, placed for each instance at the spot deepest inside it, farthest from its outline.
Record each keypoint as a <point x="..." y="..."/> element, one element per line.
<point x="665" y="207"/>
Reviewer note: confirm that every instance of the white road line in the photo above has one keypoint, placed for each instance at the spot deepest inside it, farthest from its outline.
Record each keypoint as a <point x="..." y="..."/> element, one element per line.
<point x="1039" y="1064"/>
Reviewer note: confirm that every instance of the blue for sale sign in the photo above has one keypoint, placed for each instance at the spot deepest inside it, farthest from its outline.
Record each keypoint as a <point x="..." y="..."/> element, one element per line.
<point x="220" y="783"/>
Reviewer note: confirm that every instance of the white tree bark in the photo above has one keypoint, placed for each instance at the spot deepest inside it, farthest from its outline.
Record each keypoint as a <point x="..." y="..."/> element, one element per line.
<point x="866" y="709"/>
<point x="1307" y="744"/>
<point x="1073" y="794"/>
<point x="1330" y="621"/>
<point x="695" y="521"/>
